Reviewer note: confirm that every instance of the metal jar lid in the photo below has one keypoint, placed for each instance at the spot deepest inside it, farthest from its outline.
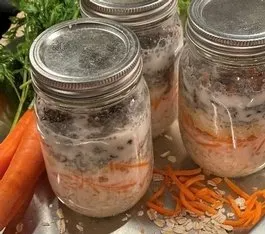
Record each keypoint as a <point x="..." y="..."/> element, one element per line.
<point x="133" y="13"/>
<point x="86" y="58"/>
<point x="228" y="27"/>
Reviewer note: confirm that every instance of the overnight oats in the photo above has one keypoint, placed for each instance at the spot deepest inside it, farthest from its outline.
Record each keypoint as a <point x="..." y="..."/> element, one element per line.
<point x="222" y="90"/>
<point x="158" y="28"/>
<point x="94" y="115"/>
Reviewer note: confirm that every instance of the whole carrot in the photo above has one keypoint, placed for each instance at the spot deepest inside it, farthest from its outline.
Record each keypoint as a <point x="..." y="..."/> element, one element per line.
<point x="9" y="146"/>
<point x="21" y="175"/>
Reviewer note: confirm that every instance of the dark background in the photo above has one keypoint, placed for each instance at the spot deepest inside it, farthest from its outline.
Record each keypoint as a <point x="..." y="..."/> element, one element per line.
<point x="6" y="11"/>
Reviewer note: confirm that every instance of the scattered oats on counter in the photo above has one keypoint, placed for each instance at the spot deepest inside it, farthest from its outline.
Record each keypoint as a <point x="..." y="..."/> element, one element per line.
<point x="61" y="226"/>
<point x="46" y="224"/>
<point x="59" y="213"/>
<point x="51" y="205"/>
<point x="128" y="215"/>
<point x="125" y="219"/>
<point x="80" y="227"/>
<point x="170" y="138"/>
<point x="172" y="159"/>
<point x="211" y="183"/>
<point x="140" y="213"/>
<point x="241" y="203"/>
<point x="164" y="155"/>
<point x="19" y="227"/>
<point x="185" y="223"/>
<point x="157" y="177"/>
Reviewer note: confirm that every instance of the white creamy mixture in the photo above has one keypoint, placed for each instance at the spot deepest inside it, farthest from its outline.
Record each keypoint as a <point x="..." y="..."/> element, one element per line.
<point x="224" y="133"/>
<point x="161" y="73"/>
<point x="96" y="171"/>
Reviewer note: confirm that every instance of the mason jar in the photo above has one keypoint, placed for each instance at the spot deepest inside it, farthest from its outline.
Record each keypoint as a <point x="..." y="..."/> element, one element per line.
<point x="159" y="30"/>
<point x="222" y="86"/>
<point x="94" y="118"/>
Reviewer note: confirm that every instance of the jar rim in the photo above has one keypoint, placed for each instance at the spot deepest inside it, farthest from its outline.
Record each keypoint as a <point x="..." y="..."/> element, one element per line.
<point x="134" y="14"/>
<point x="69" y="59"/>
<point x="216" y="27"/>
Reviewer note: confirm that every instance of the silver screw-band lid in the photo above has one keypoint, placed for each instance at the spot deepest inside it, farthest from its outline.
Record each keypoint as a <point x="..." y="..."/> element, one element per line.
<point x="85" y="58"/>
<point x="225" y="27"/>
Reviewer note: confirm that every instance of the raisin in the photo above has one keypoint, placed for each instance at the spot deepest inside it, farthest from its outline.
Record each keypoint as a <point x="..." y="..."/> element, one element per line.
<point x="130" y="141"/>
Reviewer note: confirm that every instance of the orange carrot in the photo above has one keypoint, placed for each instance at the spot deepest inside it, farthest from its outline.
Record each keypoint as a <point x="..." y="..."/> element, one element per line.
<point x="11" y="142"/>
<point x="203" y="191"/>
<point x="181" y="186"/>
<point x="236" y="189"/>
<point x="237" y="223"/>
<point x="23" y="172"/>
<point x="258" y="213"/>
<point x="250" y="219"/>
<point x="194" y="180"/>
<point x="217" y="204"/>
<point x="234" y="206"/>
<point x="183" y="179"/>
<point x="178" y="206"/>
<point x="158" y="194"/>
<point x="187" y="172"/>
<point x="124" y="166"/>
<point x="188" y="206"/>
<point x="203" y="207"/>
<point x="199" y="184"/>
<point x="160" y="210"/>
<point x="250" y="204"/>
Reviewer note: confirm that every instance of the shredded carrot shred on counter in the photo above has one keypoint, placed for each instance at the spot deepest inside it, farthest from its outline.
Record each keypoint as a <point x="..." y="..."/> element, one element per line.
<point x="189" y="191"/>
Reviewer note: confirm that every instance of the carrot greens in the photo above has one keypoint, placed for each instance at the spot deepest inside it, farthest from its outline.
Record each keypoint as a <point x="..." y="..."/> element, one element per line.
<point x="36" y="16"/>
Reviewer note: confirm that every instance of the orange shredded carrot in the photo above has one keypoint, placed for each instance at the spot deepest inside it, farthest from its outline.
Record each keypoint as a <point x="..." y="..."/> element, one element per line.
<point x="214" y="194"/>
<point x="203" y="207"/>
<point x="258" y="213"/>
<point x="217" y="204"/>
<point x="250" y="219"/>
<point x="250" y="204"/>
<point x="199" y="184"/>
<point x="183" y="179"/>
<point x="160" y="210"/>
<point x="187" y="172"/>
<point x="203" y="191"/>
<point x="193" y="180"/>
<point x="158" y="193"/>
<point x="236" y="223"/>
<point x="178" y="206"/>
<point x="159" y="203"/>
<point x="124" y="166"/>
<point x="203" y="195"/>
<point x="234" y="206"/>
<point x="217" y="180"/>
<point x="181" y="186"/>
<point x="188" y="206"/>
<point x="236" y="189"/>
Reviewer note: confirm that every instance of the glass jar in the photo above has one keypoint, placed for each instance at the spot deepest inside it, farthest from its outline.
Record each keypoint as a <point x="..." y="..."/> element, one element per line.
<point x="222" y="87"/>
<point x="94" y="115"/>
<point x="159" y="30"/>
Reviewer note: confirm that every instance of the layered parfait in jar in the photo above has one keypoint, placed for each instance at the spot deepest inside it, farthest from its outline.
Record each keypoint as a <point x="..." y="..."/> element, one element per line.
<point x="222" y="118"/>
<point x="94" y="115"/>
<point x="160" y="51"/>
<point x="160" y="33"/>
<point x="99" y="164"/>
<point x="222" y="87"/>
